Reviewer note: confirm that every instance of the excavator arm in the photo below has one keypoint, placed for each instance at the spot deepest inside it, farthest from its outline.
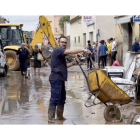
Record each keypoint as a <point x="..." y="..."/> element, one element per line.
<point x="37" y="38"/>
<point x="46" y="27"/>
<point x="43" y="29"/>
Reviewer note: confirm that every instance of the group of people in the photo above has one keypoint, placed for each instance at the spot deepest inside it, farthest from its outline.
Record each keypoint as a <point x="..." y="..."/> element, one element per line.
<point x="59" y="72"/>
<point x="24" y="55"/>
<point x="102" y="52"/>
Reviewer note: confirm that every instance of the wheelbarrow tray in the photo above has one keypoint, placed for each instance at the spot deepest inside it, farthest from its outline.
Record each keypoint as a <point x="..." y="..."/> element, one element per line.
<point x="108" y="89"/>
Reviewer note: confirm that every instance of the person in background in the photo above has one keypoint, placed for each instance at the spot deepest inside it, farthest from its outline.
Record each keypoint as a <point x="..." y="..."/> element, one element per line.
<point x="136" y="46"/>
<point x="89" y="47"/>
<point x="95" y="51"/>
<point x="113" y="50"/>
<point x="37" y="63"/>
<point x="23" y="53"/>
<point x="98" y="55"/>
<point x="109" y="45"/>
<point x="102" y="51"/>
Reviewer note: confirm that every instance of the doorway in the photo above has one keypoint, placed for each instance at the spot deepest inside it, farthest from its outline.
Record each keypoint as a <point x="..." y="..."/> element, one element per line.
<point x="91" y="37"/>
<point x="84" y="39"/>
<point x="129" y="37"/>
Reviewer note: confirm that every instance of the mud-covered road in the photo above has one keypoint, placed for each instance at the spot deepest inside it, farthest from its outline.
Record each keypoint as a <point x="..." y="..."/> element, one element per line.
<point x="25" y="101"/>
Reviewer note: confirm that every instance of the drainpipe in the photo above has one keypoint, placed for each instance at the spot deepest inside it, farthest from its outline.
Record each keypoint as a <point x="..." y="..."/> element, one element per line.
<point x="97" y="35"/>
<point x="97" y="38"/>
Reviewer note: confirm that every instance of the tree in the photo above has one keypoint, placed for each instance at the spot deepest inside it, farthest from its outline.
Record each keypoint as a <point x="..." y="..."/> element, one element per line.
<point x="62" y="21"/>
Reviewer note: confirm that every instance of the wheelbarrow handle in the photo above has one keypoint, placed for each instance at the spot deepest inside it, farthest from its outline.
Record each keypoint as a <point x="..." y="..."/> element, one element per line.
<point x="90" y="57"/>
<point x="94" y="68"/>
<point x="84" y="74"/>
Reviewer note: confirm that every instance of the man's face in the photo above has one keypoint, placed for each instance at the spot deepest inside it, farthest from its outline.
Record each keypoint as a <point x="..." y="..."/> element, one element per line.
<point x="108" y="41"/>
<point x="63" y="43"/>
<point x="23" y="45"/>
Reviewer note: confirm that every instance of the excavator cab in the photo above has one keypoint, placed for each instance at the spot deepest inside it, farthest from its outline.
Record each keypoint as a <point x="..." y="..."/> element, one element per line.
<point x="12" y="38"/>
<point x="11" y="35"/>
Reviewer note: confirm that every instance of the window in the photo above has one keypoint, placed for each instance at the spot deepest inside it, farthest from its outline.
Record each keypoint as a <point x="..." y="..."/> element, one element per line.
<point x="78" y="39"/>
<point x="75" y="39"/>
<point x="11" y="35"/>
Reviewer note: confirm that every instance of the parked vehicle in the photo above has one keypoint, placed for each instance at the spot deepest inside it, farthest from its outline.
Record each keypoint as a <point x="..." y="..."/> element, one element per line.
<point x="3" y="65"/>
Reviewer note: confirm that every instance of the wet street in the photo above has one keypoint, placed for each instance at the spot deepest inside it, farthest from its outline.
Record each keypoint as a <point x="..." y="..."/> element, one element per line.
<point x="25" y="101"/>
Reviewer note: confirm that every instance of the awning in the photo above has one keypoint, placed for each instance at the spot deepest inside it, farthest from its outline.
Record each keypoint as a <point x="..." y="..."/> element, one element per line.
<point x="124" y="20"/>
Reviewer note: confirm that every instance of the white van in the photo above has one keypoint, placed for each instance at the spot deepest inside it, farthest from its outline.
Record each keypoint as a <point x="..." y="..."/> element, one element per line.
<point x="3" y="65"/>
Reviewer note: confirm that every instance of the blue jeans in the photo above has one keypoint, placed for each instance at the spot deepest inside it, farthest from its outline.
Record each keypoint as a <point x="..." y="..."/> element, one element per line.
<point x="58" y="93"/>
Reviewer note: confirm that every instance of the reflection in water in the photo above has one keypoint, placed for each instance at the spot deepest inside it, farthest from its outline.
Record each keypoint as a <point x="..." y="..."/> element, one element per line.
<point x="17" y="94"/>
<point x="24" y="92"/>
<point x="37" y="84"/>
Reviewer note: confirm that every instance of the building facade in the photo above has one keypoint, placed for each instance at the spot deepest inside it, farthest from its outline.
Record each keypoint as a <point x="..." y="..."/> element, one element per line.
<point x="67" y="33"/>
<point x="54" y="21"/>
<point x="76" y="32"/>
<point x="125" y="33"/>
<point x="96" y="29"/>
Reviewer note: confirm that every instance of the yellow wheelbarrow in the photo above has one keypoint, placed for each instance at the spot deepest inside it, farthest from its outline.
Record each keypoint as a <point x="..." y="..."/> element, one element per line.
<point x="104" y="89"/>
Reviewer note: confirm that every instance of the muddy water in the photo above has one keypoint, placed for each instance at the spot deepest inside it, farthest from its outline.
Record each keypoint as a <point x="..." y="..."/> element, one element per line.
<point x="25" y="101"/>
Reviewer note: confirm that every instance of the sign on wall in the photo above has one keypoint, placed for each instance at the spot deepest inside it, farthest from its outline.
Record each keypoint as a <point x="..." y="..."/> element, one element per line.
<point x="87" y="19"/>
<point x="136" y="18"/>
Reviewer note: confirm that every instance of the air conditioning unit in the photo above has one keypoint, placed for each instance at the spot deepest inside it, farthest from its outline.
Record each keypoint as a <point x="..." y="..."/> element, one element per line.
<point x="115" y="71"/>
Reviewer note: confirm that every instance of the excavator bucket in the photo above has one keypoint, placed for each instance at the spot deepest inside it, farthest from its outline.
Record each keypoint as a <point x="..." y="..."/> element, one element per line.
<point x="46" y="27"/>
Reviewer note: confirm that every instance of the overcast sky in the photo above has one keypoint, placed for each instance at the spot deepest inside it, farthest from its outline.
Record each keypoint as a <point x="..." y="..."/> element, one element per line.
<point x="29" y="22"/>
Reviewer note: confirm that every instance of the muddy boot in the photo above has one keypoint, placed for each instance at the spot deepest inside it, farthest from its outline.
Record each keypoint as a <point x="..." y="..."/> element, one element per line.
<point x="51" y="114"/>
<point x="26" y="75"/>
<point x="22" y="73"/>
<point x="60" y="110"/>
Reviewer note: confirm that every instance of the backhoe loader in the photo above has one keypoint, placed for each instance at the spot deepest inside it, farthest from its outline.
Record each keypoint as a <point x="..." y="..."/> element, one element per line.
<point x="12" y="37"/>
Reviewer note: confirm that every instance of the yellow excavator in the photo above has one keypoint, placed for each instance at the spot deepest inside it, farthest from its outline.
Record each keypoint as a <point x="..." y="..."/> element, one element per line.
<point x="12" y="37"/>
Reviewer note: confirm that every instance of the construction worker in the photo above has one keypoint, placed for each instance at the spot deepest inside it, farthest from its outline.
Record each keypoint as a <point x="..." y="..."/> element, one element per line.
<point x="23" y="53"/>
<point x="58" y="77"/>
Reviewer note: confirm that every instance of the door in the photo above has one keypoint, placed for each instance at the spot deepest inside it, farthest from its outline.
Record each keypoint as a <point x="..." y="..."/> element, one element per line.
<point x="130" y="36"/>
<point x="84" y="39"/>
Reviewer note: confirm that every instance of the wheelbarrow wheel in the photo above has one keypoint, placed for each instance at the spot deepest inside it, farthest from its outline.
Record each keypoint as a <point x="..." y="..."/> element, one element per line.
<point x="109" y="113"/>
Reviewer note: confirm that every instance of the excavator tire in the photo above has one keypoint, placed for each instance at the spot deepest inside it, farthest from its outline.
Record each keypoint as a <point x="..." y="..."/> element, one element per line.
<point x="11" y="60"/>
